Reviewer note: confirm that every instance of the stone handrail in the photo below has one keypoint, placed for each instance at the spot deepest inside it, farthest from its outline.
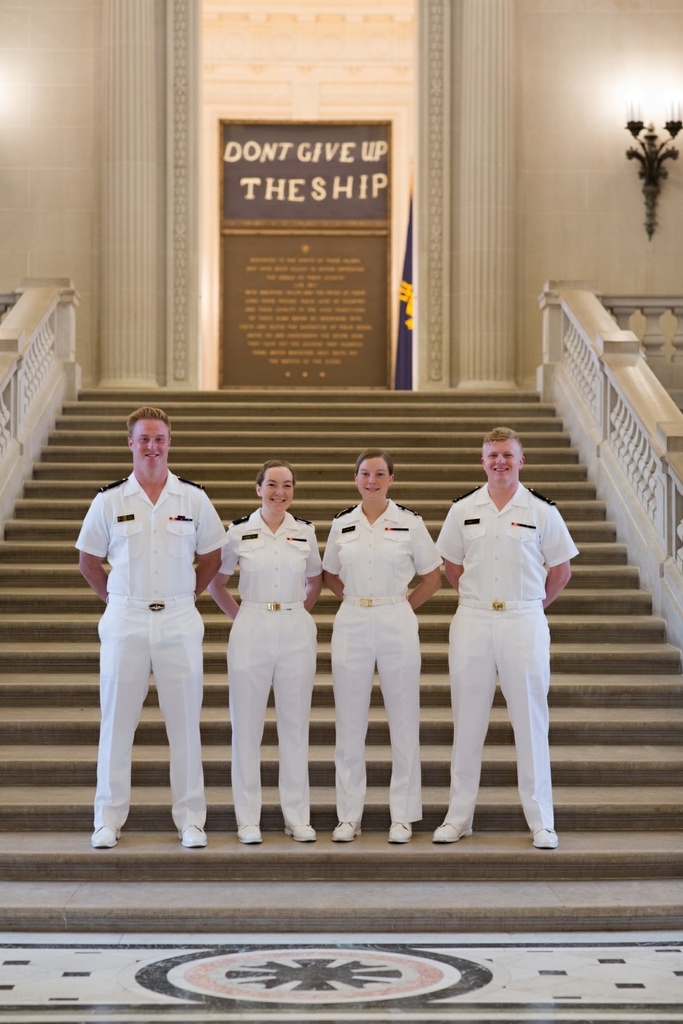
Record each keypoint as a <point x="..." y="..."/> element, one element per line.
<point x="38" y="370"/>
<point x="627" y="427"/>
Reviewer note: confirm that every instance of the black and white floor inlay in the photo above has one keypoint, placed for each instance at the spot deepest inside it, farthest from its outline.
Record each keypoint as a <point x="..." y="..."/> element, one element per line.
<point x="437" y="979"/>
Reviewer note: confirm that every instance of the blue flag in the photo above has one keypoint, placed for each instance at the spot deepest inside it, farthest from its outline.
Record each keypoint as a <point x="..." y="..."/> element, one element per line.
<point x="403" y="376"/>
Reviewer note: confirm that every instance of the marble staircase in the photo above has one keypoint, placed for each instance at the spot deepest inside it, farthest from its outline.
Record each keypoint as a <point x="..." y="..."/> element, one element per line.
<point x="616" y="708"/>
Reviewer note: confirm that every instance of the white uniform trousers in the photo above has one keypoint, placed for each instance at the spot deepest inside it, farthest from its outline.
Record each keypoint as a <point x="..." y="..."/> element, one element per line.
<point x="135" y="642"/>
<point x="278" y="649"/>
<point x="386" y="635"/>
<point x="516" y="645"/>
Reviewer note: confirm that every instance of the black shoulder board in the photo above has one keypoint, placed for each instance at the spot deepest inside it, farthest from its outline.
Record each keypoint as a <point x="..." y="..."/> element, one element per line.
<point x="466" y="495"/>
<point x="244" y="519"/>
<point x="306" y="521"/>
<point x="412" y="511"/>
<point x="191" y="483"/>
<point x="541" y="497"/>
<point x="117" y="483"/>
<point x="345" y="511"/>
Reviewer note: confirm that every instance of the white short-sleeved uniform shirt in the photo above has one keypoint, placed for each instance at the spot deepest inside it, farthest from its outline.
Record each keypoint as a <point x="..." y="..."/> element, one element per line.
<point x="151" y="548"/>
<point x="379" y="559"/>
<point x="273" y="566"/>
<point x="505" y="554"/>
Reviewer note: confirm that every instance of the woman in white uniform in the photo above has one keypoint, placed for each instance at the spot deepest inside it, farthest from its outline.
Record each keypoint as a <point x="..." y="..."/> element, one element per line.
<point x="272" y="643"/>
<point x="373" y="552"/>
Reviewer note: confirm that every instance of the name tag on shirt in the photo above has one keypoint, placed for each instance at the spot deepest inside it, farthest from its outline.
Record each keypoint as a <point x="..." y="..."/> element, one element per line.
<point x="472" y="522"/>
<point x="125" y="519"/>
<point x="250" y="536"/>
<point x="348" y="529"/>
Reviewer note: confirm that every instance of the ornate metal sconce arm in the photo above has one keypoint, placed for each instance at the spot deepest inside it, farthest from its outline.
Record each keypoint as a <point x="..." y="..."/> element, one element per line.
<point x="651" y="155"/>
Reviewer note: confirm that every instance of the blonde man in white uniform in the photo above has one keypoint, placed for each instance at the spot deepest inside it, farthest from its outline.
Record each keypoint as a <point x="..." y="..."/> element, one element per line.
<point x="373" y="552"/>
<point x="507" y="552"/>
<point x="272" y="643"/>
<point x="151" y="527"/>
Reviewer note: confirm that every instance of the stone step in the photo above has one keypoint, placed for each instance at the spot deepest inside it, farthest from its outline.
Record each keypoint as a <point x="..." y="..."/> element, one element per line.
<point x="272" y="443"/>
<point x="56" y="764"/>
<point x="67" y="626"/>
<point x="568" y="725"/>
<point x="247" y="458"/>
<point x="355" y="420"/>
<point x="86" y="478"/>
<point x="423" y="907"/>
<point x="348" y="402"/>
<point x="577" y="808"/>
<point x="214" y="464"/>
<point x="29" y="591"/>
<point x="62" y="856"/>
<point x="124" y="396"/>
<point x="596" y="692"/>
<point x="597" y="657"/>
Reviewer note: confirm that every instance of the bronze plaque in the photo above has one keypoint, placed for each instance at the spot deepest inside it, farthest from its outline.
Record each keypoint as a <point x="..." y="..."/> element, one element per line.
<point x="304" y="255"/>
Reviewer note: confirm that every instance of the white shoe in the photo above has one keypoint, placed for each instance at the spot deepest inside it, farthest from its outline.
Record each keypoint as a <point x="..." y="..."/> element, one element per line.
<point x="448" y="833"/>
<point x="301" y="833"/>
<point x="400" y="833"/>
<point x="105" y="837"/>
<point x="249" y="834"/>
<point x="346" y="831"/>
<point x="545" y="839"/>
<point x="193" y="837"/>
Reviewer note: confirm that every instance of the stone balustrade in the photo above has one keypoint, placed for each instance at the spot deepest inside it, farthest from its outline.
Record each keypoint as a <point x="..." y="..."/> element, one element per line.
<point x="628" y="428"/>
<point x="38" y="370"/>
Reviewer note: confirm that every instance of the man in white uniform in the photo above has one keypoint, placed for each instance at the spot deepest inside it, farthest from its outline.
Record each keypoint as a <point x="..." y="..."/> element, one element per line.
<point x="507" y="552"/>
<point x="151" y="527"/>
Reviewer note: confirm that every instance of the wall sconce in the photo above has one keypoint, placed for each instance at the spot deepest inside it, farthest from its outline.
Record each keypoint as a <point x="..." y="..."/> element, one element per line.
<point x="651" y="156"/>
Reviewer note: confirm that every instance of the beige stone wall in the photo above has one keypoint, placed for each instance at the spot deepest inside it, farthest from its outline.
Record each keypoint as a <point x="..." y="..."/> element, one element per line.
<point x="580" y="208"/>
<point x="335" y="60"/>
<point x="49" y="174"/>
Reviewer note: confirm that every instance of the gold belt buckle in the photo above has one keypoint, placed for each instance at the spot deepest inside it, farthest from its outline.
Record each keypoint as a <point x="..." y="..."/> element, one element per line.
<point x="498" y="606"/>
<point x="273" y="606"/>
<point x="156" y="606"/>
<point x="366" y="602"/>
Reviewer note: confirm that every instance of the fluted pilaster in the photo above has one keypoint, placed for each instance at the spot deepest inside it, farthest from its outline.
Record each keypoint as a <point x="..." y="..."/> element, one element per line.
<point x="129" y="195"/>
<point x="486" y="319"/>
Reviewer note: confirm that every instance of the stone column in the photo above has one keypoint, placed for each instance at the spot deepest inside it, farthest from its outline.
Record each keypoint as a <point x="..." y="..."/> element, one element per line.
<point x="129" y="195"/>
<point x="486" y="208"/>
<point x="432" y="281"/>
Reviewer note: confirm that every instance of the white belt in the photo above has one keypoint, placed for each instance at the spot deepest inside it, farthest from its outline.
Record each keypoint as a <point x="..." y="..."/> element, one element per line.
<point x="272" y="606"/>
<point x="500" y="606"/>
<point x="152" y="606"/>
<point x="374" y="602"/>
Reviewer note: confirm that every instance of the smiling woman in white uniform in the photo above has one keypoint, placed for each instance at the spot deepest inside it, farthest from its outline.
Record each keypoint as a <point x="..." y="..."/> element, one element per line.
<point x="272" y="643"/>
<point x="373" y="552"/>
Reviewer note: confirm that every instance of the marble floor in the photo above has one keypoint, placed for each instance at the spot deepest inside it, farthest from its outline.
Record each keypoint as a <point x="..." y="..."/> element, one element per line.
<point x="502" y="978"/>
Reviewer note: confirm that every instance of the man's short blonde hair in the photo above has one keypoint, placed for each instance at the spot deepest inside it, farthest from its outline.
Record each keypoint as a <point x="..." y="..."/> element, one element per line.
<point x="147" y="412"/>
<point x="502" y="434"/>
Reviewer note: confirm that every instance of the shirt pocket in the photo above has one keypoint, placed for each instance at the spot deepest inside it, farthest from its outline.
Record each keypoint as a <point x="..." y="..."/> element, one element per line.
<point x="519" y="542"/>
<point x="348" y="548"/>
<point x="396" y="546"/>
<point x="297" y="551"/>
<point x="252" y="554"/>
<point x="128" y="539"/>
<point x="474" y="541"/>
<point x="181" y="538"/>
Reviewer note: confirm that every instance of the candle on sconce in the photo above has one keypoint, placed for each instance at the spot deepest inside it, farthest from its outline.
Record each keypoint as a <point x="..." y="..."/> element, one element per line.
<point x="633" y="109"/>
